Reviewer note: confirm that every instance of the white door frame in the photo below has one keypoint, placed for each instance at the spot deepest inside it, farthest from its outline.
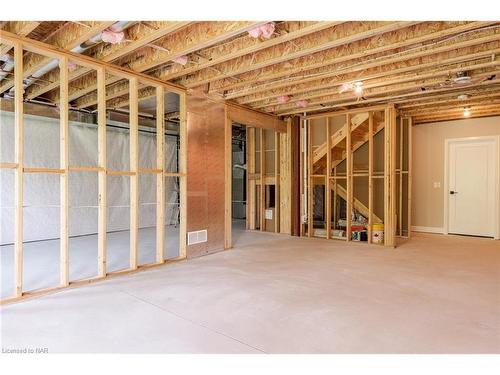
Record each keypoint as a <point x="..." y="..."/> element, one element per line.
<point x="447" y="143"/>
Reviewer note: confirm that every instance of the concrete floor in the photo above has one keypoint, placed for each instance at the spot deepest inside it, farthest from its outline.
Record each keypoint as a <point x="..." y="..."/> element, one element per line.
<point x="276" y="294"/>
<point x="41" y="258"/>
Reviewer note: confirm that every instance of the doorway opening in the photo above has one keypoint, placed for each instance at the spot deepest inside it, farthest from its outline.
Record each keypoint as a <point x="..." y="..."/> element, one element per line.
<point x="239" y="180"/>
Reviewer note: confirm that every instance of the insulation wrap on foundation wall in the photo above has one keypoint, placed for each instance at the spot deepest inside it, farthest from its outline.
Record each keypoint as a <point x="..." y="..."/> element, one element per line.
<point x="41" y="191"/>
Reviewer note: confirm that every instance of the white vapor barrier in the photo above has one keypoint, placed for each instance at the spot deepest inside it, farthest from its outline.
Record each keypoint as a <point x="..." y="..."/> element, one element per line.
<point x="41" y="198"/>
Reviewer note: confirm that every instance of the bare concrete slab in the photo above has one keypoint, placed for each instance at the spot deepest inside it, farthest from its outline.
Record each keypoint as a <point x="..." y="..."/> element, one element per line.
<point x="277" y="294"/>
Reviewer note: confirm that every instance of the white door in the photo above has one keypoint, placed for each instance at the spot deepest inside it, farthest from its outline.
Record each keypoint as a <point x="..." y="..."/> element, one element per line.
<point x="471" y="187"/>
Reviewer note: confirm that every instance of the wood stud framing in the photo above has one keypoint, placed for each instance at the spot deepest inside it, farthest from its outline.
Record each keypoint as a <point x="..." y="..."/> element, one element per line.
<point x="251" y="185"/>
<point x="102" y="178"/>
<point x="102" y="69"/>
<point x="370" y="176"/>
<point x="160" y="178"/>
<point x="348" y="148"/>
<point x="64" y="164"/>
<point x="353" y="141"/>
<point x="280" y="179"/>
<point x="328" y="188"/>
<point x="19" y="172"/>
<point x="134" y="168"/>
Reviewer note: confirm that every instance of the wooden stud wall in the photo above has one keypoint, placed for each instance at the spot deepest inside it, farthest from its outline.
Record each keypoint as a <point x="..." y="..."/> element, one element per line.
<point x="285" y="180"/>
<point x="19" y="171"/>
<point x="391" y="195"/>
<point x="64" y="165"/>
<point x="251" y="185"/>
<point x="281" y="179"/>
<point x="102" y="243"/>
<point x="370" y="176"/>
<point x="160" y="179"/>
<point x="310" y="225"/>
<point x="134" y="168"/>
<point x="135" y="80"/>
<point x="348" y="147"/>
<point x="404" y="125"/>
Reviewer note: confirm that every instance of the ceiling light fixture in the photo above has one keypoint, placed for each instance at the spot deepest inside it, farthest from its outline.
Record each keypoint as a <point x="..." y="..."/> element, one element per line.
<point x="358" y="88"/>
<point x="466" y="112"/>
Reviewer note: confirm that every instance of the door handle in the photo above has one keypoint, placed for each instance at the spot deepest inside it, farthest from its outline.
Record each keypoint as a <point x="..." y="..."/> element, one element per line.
<point x="453" y="192"/>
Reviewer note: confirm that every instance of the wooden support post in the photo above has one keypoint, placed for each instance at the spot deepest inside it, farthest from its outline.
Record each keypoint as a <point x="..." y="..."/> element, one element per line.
<point x="328" y="194"/>
<point x="370" y="176"/>
<point x="400" y="203"/>
<point x="183" y="177"/>
<point x="63" y="177"/>
<point x="310" y="181"/>
<point x="262" y="202"/>
<point x="228" y="136"/>
<point x="410" y="158"/>
<point x="285" y="162"/>
<point x="335" y="198"/>
<point x="387" y="153"/>
<point x="102" y="175"/>
<point x="348" y="150"/>
<point x="302" y="164"/>
<point x="18" y="174"/>
<point x="277" y="181"/>
<point x="134" y="167"/>
<point x="160" y="178"/>
<point x="393" y="205"/>
<point x="389" y="176"/>
<point x="251" y="186"/>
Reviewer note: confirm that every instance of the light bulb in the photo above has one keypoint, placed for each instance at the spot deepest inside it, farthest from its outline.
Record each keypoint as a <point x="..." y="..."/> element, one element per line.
<point x="358" y="88"/>
<point x="466" y="112"/>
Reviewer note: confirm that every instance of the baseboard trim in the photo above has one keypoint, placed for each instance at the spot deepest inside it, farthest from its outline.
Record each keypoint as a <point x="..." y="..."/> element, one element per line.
<point x="416" y="228"/>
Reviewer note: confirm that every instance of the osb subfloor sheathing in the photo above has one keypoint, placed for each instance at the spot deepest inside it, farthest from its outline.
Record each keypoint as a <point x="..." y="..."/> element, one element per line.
<point x="276" y="294"/>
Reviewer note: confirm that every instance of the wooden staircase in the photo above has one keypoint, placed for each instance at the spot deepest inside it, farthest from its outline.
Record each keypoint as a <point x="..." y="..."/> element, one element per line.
<point x="359" y="136"/>
<point x="357" y="204"/>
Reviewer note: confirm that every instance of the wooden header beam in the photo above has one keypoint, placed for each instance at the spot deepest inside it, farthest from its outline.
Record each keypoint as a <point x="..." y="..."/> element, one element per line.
<point x="250" y="117"/>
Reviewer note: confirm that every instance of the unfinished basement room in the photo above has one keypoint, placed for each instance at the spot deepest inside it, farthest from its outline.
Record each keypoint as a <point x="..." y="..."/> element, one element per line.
<point x="249" y="187"/>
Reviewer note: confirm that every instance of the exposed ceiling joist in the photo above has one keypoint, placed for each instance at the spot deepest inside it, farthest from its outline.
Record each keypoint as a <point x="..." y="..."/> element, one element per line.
<point x="457" y="115"/>
<point x="137" y="36"/>
<point x="442" y="109"/>
<point x="446" y="73"/>
<point x="372" y="50"/>
<point x="407" y="91"/>
<point x="342" y="34"/>
<point x="286" y="31"/>
<point x="69" y="36"/>
<point x="438" y="58"/>
<point x="21" y="28"/>
<point x="449" y="99"/>
<point x="187" y="40"/>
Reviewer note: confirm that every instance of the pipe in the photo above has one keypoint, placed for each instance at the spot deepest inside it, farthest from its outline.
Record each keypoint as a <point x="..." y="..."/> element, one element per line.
<point x="116" y="27"/>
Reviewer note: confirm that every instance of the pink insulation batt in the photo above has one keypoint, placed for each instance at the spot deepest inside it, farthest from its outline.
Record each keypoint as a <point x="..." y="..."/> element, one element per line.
<point x="301" y="103"/>
<point x="264" y="31"/>
<point x="181" y="60"/>
<point x="109" y="36"/>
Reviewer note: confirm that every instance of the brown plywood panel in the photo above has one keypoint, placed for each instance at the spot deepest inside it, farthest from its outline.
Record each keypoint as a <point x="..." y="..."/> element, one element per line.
<point x="205" y="182"/>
